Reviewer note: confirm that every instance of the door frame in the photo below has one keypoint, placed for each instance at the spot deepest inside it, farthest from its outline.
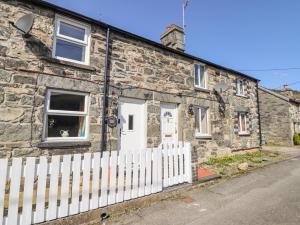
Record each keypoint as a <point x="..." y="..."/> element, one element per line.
<point x="176" y="121"/>
<point x="145" y="118"/>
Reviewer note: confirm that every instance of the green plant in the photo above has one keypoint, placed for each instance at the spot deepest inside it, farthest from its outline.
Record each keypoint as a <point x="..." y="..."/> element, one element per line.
<point x="296" y="139"/>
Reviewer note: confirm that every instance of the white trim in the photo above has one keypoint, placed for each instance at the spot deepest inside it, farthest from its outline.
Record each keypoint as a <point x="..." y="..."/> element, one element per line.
<point x="240" y="123"/>
<point x="204" y="74"/>
<point x="48" y="111"/>
<point x="199" y="134"/>
<point x="85" y="43"/>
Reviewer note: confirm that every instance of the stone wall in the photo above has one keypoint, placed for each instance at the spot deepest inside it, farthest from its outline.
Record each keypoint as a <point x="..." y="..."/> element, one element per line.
<point x="276" y="119"/>
<point x="137" y="70"/>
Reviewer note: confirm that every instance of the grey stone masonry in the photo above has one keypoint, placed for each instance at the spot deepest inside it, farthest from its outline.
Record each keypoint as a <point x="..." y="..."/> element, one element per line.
<point x="280" y="117"/>
<point x="137" y="69"/>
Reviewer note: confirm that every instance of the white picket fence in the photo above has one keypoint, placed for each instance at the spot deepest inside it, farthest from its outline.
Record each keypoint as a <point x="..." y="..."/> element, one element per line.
<point x="38" y="189"/>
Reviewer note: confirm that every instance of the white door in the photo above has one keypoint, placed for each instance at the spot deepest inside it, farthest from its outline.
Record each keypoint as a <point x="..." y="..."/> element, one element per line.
<point x="132" y="124"/>
<point x="168" y="120"/>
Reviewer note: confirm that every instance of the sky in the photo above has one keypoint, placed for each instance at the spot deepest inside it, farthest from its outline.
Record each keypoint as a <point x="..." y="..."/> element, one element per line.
<point x="259" y="36"/>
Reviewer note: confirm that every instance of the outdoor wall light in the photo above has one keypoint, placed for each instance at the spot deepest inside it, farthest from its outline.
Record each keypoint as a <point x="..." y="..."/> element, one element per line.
<point x="191" y="109"/>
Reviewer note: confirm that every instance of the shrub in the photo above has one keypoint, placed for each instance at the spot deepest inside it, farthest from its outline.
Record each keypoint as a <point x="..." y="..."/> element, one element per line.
<point x="297" y="139"/>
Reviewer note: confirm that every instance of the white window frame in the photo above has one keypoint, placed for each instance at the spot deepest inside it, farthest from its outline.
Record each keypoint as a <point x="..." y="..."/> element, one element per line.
<point x="240" y="123"/>
<point x="199" y="111"/>
<point x="204" y="74"/>
<point x="240" y="92"/>
<point x="49" y="111"/>
<point x="85" y="42"/>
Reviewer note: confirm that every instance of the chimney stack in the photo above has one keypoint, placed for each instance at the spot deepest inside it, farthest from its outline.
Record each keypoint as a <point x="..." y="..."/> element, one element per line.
<point x="285" y="87"/>
<point x="173" y="37"/>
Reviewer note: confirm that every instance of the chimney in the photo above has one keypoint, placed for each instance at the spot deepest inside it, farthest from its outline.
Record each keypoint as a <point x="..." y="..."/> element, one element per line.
<point x="285" y="87"/>
<point x="173" y="37"/>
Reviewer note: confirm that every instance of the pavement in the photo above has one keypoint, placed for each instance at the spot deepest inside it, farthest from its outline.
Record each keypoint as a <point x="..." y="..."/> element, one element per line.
<point x="265" y="196"/>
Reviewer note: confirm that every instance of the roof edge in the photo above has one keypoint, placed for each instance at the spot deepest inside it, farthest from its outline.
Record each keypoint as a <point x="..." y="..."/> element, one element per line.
<point x="285" y="98"/>
<point x="73" y="14"/>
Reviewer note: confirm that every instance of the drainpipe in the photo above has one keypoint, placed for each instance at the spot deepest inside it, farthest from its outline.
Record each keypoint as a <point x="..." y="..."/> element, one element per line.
<point x="105" y="97"/>
<point x="259" y="120"/>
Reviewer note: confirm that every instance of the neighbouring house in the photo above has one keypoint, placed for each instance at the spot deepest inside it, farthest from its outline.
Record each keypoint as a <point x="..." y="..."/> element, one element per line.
<point x="63" y="91"/>
<point x="280" y="115"/>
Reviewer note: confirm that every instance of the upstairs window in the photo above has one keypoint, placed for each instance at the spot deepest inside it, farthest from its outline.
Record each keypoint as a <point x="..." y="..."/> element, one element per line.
<point x="66" y="116"/>
<point x="71" y="41"/>
<point x="202" y="121"/>
<point x="240" y="87"/>
<point x="200" y="76"/>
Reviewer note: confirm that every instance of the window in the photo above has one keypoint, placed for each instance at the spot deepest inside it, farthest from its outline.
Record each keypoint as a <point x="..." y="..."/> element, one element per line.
<point x="200" y="76"/>
<point x="202" y="121"/>
<point x="240" y="87"/>
<point x="130" y="122"/>
<point x="71" y="41"/>
<point x="66" y="116"/>
<point x="243" y="123"/>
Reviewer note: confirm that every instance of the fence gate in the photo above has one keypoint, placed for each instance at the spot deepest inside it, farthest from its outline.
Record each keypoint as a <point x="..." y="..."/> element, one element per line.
<point x="38" y="189"/>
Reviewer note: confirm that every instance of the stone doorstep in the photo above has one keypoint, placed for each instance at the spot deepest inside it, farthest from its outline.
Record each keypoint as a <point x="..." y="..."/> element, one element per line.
<point x="93" y="216"/>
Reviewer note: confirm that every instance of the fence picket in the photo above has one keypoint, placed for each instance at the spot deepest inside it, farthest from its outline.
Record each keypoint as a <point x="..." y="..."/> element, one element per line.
<point x="135" y="175"/>
<point x="3" y="170"/>
<point x="39" y="215"/>
<point x="15" y="179"/>
<point x="76" y="170"/>
<point x="65" y="183"/>
<point x="53" y="190"/>
<point x="148" y="171"/>
<point x="127" y="194"/>
<point x="95" y="181"/>
<point x="104" y="178"/>
<point x="188" y="160"/>
<point x="175" y="155"/>
<point x="171" y="166"/>
<point x="121" y="172"/>
<point x="112" y="178"/>
<point x="154" y="171"/>
<point x="180" y="152"/>
<point x="86" y="168"/>
<point x="159" y="170"/>
<point x="165" y="166"/>
<point x="142" y="173"/>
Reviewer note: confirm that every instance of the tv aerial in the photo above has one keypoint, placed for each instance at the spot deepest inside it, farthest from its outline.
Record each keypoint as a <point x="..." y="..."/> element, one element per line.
<point x="24" y="24"/>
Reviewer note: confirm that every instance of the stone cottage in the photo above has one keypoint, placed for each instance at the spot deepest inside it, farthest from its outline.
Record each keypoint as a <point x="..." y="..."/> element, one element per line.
<point x="75" y="84"/>
<point x="280" y="115"/>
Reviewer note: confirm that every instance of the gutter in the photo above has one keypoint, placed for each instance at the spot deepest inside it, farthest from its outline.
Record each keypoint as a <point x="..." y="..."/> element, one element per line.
<point x="105" y="97"/>
<point x="259" y="118"/>
<point x="75" y="15"/>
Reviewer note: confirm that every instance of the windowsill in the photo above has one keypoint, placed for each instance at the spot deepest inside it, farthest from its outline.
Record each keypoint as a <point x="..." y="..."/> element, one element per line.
<point x="199" y="136"/>
<point x="67" y="63"/>
<point x="244" y="134"/>
<point x="243" y="96"/>
<point x="64" y="144"/>
<point x="201" y="89"/>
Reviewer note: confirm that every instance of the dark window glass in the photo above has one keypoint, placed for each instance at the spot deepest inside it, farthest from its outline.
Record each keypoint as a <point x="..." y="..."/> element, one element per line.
<point x="72" y="31"/>
<point x="70" y="50"/>
<point x="130" y="122"/>
<point x="65" y="126"/>
<point x="68" y="102"/>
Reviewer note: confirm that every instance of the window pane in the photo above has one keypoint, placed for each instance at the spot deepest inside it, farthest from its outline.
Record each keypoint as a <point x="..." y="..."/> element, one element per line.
<point x="70" y="50"/>
<point x="242" y="122"/>
<point x="204" y="125"/>
<point x="68" y="102"/>
<point x="65" y="126"/>
<point x="71" y="31"/>
<point x="197" y="120"/>
<point x="196" y="75"/>
<point x="202" y="76"/>
<point x="130" y="122"/>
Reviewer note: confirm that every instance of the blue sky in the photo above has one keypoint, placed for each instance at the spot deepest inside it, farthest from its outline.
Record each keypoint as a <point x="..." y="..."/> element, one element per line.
<point x="242" y="35"/>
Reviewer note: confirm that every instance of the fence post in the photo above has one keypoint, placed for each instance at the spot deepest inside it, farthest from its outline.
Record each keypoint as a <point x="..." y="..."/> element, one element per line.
<point x="188" y="162"/>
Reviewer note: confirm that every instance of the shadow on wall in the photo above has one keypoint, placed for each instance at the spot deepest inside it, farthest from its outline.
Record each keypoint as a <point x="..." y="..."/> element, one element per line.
<point x="37" y="47"/>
